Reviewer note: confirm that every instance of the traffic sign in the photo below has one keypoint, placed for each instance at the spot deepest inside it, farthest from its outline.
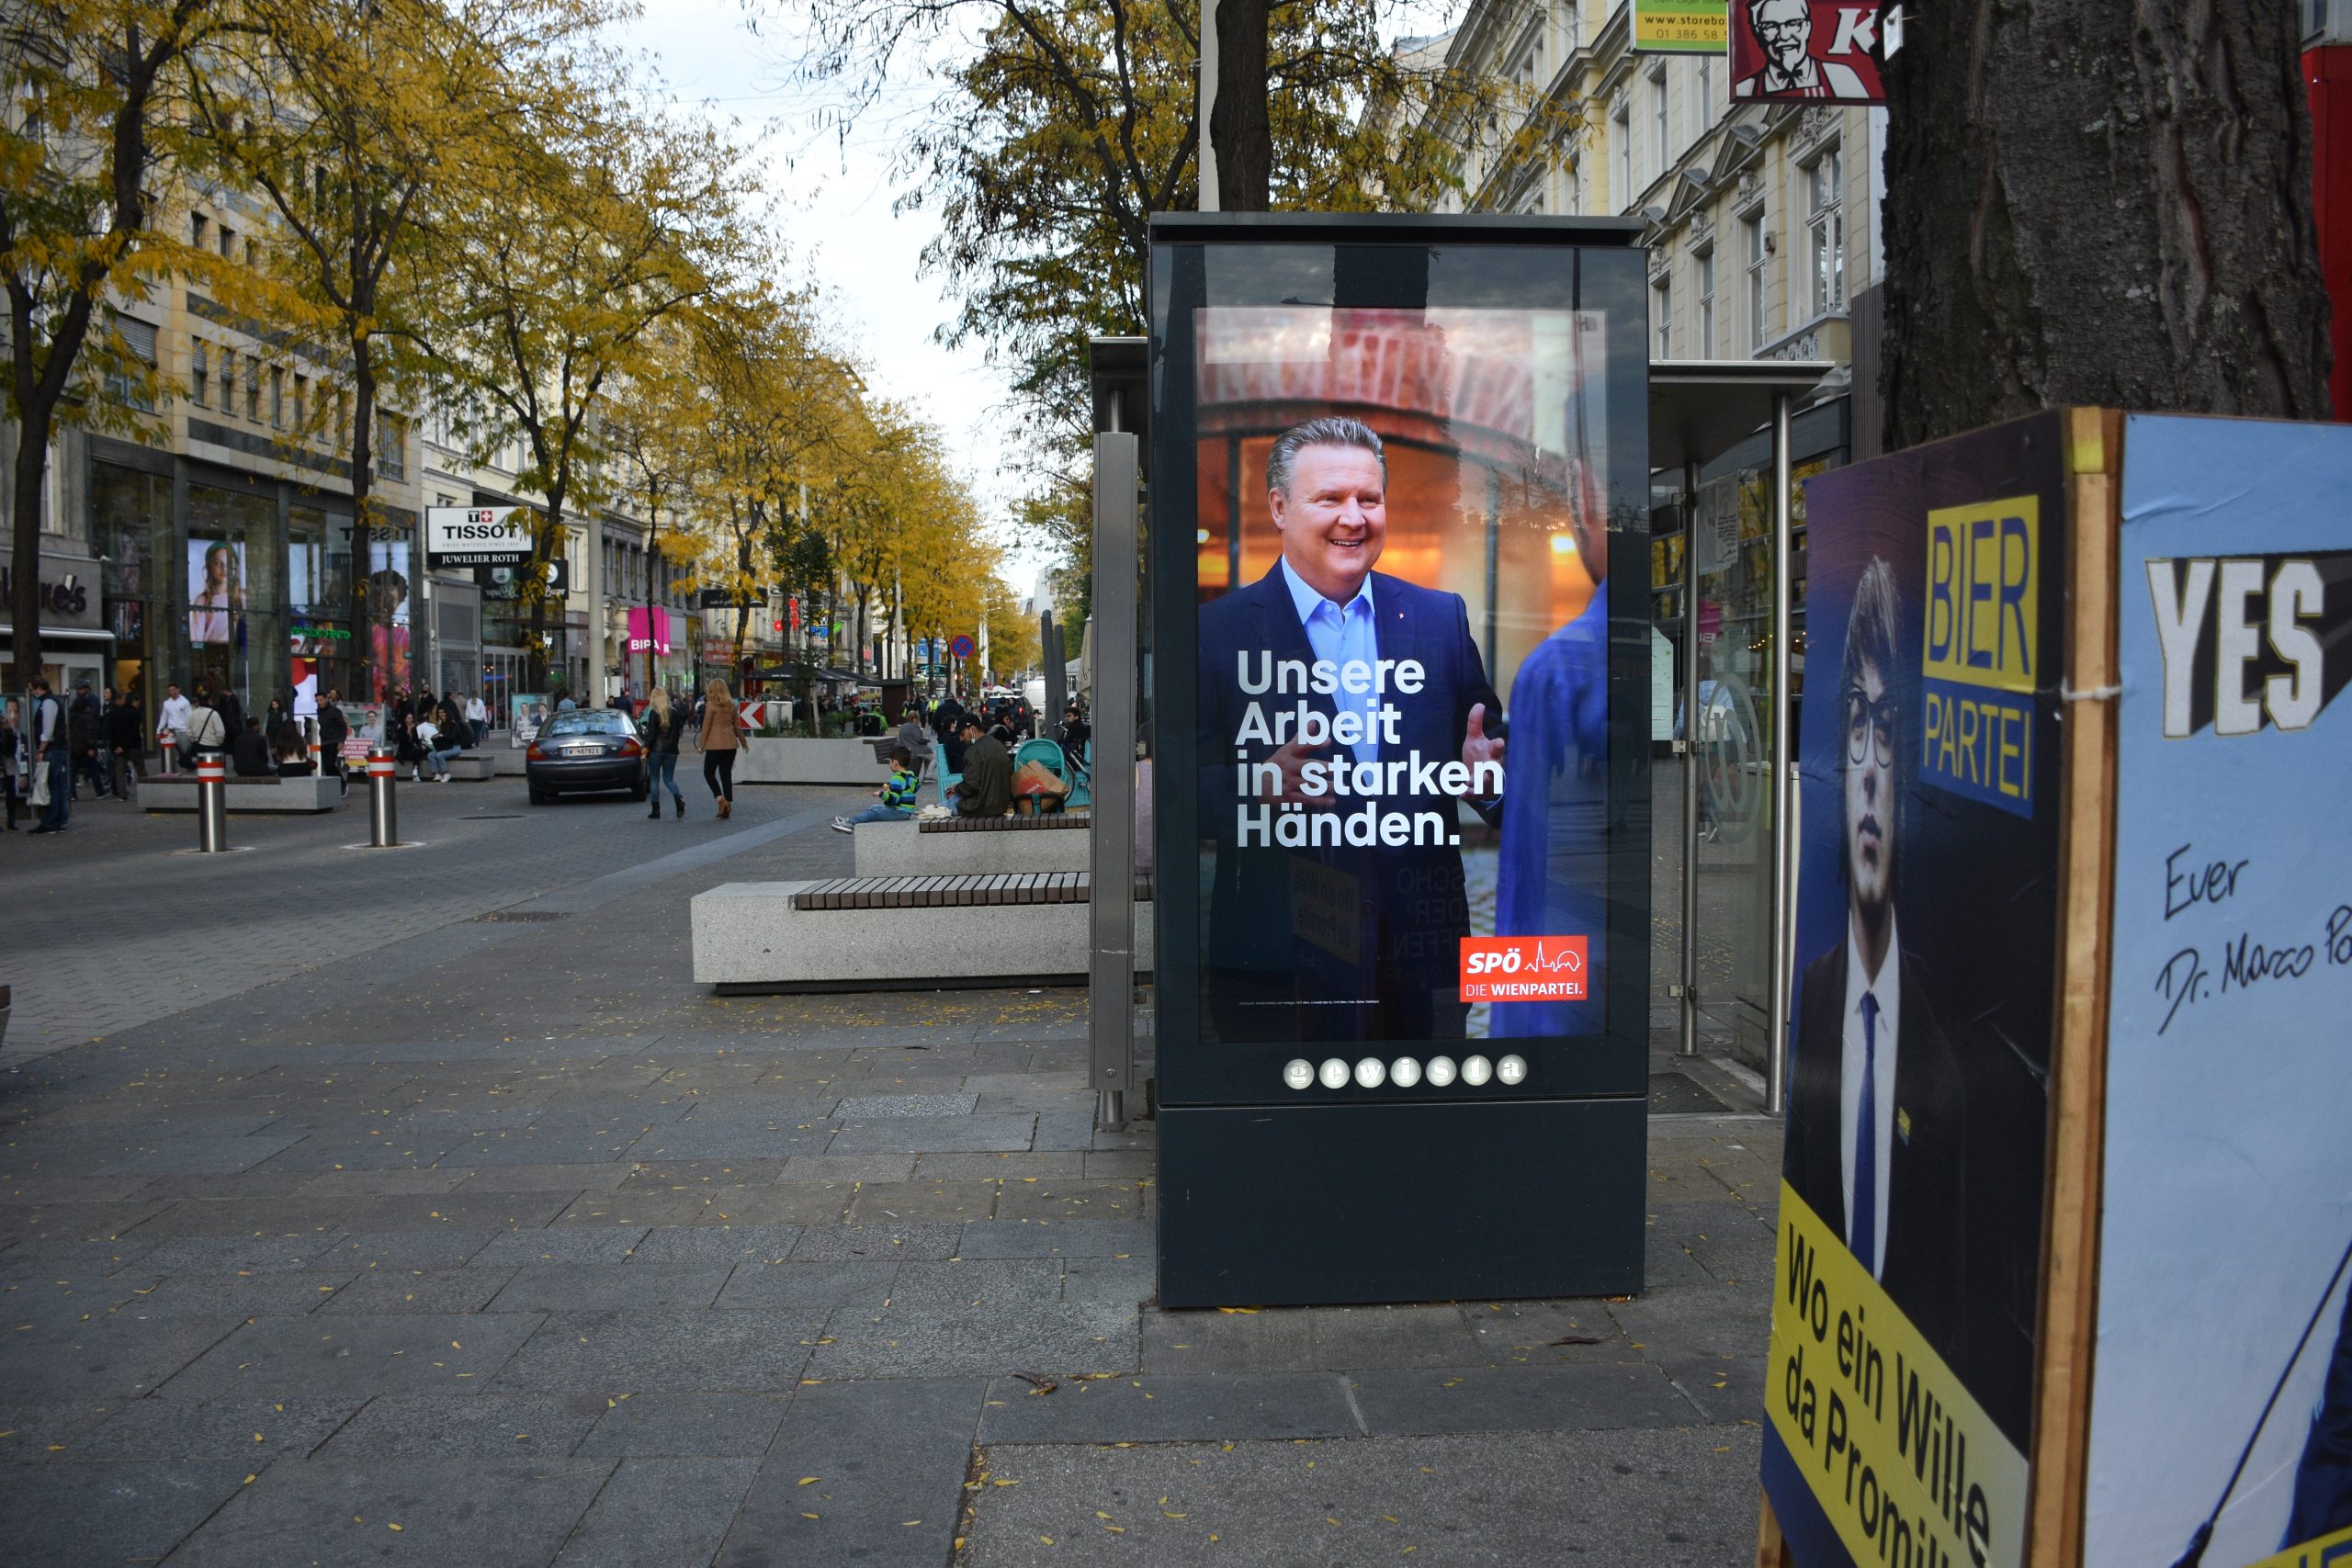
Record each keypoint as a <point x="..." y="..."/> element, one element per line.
<point x="961" y="645"/>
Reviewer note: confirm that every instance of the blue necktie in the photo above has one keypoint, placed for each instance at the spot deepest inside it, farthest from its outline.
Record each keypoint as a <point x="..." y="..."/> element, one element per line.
<point x="1863" y="1234"/>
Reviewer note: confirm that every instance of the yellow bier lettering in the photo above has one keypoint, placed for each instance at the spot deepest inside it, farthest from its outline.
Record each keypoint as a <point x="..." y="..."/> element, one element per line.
<point x="1983" y="562"/>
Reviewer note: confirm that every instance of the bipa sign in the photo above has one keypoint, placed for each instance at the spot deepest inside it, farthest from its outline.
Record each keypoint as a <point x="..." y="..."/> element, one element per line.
<point x="477" y="535"/>
<point x="1524" y="969"/>
<point x="1794" y="52"/>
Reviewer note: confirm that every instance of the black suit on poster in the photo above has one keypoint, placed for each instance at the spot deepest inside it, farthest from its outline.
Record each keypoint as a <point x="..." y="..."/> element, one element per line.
<point x="1926" y="1268"/>
<point x="1387" y="966"/>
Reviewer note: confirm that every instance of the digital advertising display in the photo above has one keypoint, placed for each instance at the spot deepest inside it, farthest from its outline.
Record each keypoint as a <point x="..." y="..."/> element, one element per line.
<point x="1408" y="861"/>
<point x="215" y="592"/>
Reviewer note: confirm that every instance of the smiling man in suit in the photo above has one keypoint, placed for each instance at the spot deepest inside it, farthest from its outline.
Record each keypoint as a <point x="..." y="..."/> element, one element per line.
<point x="1877" y="1108"/>
<point x="1338" y="938"/>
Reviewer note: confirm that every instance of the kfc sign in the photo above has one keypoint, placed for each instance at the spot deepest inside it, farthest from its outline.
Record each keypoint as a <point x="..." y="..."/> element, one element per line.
<point x="1794" y="52"/>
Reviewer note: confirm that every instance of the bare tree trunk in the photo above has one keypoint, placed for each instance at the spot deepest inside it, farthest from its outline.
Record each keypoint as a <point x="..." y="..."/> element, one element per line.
<point x="24" y="557"/>
<point x="1240" y="135"/>
<point x="363" y="516"/>
<point x="2094" y="203"/>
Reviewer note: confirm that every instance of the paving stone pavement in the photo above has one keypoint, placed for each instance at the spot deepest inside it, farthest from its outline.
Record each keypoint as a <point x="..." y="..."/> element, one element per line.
<point x="465" y="1242"/>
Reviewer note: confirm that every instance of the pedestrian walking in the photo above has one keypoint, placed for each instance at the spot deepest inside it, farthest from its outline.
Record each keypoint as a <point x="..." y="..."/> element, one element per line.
<point x="249" y="756"/>
<point x="207" y="729"/>
<point x="722" y="735"/>
<point x="333" y="730"/>
<point x="126" y="737"/>
<point x="478" y="716"/>
<point x="171" y="727"/>
<point x="83" y="727"/>
<point x="665" y="728"/>
<point x="52" y="747"/>
<point x="232" y="710"/>
<point x="14" y="762"/>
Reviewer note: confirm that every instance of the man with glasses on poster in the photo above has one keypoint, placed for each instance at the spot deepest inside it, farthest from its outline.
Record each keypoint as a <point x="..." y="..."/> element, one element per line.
<point x="1876" y="1104"/>
<point x="1340" y="903"/>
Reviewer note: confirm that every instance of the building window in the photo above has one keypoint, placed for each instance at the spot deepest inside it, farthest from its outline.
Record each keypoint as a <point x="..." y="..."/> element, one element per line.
<point x="1621" y="198"/>
<point x="1705" y="116"/>
<point x="199" y="373"/>
<point x="1662" y="312"/>
<point x="228" y="242"/>
<point x="196" y="227"/>
<point x="228" y="382"/>
<point x="1825" y="190"/>
<point x="252" y="389"/>
<point x="277" y="397"/>
<point x="128" y="385"/>
<point x="391" y="447"/>
<point x="1751" y="235"/>
<point x="1661" y="149"/>
<point x="1705" y="345"/>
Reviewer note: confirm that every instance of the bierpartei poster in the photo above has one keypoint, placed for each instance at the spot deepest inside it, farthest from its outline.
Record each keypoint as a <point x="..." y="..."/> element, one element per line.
<point x="2222" y="1394"/>
<point x="1900" y="1384"/>
<point x="1402" y="720"/>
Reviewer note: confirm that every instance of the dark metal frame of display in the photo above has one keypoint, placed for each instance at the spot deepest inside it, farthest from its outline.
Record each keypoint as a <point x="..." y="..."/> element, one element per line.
<point x="1269" y="1193"/>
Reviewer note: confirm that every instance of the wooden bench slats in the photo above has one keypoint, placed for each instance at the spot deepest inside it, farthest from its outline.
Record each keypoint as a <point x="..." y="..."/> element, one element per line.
<point x="975" y="891"/>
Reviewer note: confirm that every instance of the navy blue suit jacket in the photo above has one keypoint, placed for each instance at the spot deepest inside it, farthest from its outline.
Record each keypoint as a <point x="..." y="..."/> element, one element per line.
<point x="1336" y="942"/>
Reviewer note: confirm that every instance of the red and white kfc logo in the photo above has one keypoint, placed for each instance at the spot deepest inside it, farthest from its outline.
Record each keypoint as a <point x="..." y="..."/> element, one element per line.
<point x="1808" y="50"/>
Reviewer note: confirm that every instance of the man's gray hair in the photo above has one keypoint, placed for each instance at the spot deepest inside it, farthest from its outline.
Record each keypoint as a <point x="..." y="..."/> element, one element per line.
<point x="1332" y="430"/>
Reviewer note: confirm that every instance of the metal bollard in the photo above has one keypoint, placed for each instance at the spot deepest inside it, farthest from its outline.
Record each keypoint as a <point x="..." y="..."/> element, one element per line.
<point x="212" y="805"/>
<point x="171" y="758"/>
<point x="383" y="815"/>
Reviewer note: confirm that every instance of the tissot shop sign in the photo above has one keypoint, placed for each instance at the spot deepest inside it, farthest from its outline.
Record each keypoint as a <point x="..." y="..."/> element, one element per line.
<point x="477" y="535"/>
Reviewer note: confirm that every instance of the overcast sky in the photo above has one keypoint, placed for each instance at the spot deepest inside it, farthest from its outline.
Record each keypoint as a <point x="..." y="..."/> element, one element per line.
<point x="833" y="202"/>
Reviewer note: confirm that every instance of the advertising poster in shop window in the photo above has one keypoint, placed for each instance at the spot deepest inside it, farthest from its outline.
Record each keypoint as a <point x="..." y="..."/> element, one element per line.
<point x="2222" y="1396"/>
<point x="1390" y="860"/>
<point x="1798" y="51"/>
<point x="1900" y="1382"/>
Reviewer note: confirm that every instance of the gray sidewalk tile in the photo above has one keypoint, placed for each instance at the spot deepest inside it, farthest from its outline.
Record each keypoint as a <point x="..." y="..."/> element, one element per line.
<point x="327" y="1356"/>
<point x="685" y="1425"/>
<point x="661" y="1513"/>
<point x="854" y="1167"/>
<point x="1065" y="1200"/>
<point x="107" y="1358"/>
<point x="895" y="1243"/>
<point x="926" y="1135"/>
<point x="703" y="1352"/>
<point x="419" y="1291"/>
<point x="55" y="1306"/>
<point x="1059" y="1238"/>
<point x="1725" y="1388"/>
<point x="70" y="1515"/>
<point x="1164" y="1410"/>
<point x="957" y="1166"/>
<point x="979" y="1342"/>
<point x="875" y="1107"/>
<point x="505" y="1428"/>
<point x="896" y="1203"/>
<point x="400" y="1250"/>
<point x="723" y="1243"/>
<point x="247" y="1428"/>
<point x="340" y="1514"/>
<point x="1298" y="1338"/>
<point x="570" y="1245"/>
<point x="819" y="1288"/>
<point x="599" y="1287"/>
<point x="1436" y="1401"/>
<point x="888" y="1462"/>
<point x="281" y="1294"/>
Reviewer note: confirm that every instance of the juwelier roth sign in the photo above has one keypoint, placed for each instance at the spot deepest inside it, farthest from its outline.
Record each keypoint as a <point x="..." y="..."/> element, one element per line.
<point x="2063" y="1186"/>
<point x="477" y="535"/>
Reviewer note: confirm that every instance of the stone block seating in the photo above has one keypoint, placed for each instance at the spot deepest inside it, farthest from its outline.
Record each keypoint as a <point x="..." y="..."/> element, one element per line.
<point x="477" y="766"/>
<point x="177" y="792"/>
<point x="972" y="845"/>
<point x="874" y="933"/>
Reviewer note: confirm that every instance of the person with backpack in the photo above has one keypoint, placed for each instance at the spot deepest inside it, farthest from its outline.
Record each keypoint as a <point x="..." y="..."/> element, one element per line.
<point x="665" y="728"/>
<point x="207" y="729"/>
<point x="897" y="802"/>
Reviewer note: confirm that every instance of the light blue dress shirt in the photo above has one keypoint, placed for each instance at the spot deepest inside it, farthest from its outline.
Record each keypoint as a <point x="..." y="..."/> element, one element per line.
<point x="1342" y="633"/>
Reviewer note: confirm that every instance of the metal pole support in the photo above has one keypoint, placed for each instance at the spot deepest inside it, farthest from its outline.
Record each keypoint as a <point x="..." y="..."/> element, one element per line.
<point x="1784" y="799"/>
<point x="212" y="805"/>
<point x="383" y="813"/>
<point x="1111" y="655"/>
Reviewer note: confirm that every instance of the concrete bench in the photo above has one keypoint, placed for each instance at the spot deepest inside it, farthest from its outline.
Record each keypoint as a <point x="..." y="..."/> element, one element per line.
<point x="310" y="795"/>
<point x="871" y="932"/>
<point x="474" y="765"/>
<point x="970" y="846"/>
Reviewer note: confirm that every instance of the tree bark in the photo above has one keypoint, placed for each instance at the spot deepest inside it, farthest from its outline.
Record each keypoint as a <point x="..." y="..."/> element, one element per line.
<point x="2089" y="202"/>
<point x="363" y="514"/>
<point x="1242" y="138"/>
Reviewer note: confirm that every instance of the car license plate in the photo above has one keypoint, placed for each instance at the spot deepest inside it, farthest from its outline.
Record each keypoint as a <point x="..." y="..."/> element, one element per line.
<point x="582" y="751"/>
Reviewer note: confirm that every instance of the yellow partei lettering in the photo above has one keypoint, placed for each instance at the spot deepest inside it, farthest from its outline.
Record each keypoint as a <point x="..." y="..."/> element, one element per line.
<point x="1983" y="621"/>
<point x="1901" y="1458"/>
<point x="2329" y="1548"/>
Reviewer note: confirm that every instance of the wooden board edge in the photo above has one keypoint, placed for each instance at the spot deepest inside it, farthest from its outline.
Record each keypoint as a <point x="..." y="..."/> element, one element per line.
<point x="1771" y="1546"/>
<point x="2067" y="1332"/>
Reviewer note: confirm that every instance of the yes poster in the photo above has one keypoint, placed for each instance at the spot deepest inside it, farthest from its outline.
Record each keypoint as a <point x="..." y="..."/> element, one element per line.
<point x="2222" y="1397"/>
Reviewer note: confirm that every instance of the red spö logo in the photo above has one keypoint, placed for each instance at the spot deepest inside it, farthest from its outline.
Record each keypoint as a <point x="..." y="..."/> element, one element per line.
<point x="1523" y="969"/>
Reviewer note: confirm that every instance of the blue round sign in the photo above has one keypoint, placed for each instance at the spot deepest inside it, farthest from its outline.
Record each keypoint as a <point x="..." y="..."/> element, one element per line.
<point x="961" y="646"/>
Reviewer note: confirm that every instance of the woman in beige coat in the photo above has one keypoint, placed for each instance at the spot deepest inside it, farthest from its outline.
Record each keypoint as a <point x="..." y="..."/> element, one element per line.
<point x="722" y="734"/>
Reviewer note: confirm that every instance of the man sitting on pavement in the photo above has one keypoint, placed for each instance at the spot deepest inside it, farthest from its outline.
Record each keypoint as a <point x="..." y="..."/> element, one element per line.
<point x="986" y="789"/>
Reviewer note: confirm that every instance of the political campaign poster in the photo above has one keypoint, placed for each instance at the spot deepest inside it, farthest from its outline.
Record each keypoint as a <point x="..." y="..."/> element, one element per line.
<point x="1900" y="1382"/>
<point x="530" y="714"/>
<point x="1401" y="672"/>
<point x="2221" y="1426"/>
<point x="1794" y="52"/>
